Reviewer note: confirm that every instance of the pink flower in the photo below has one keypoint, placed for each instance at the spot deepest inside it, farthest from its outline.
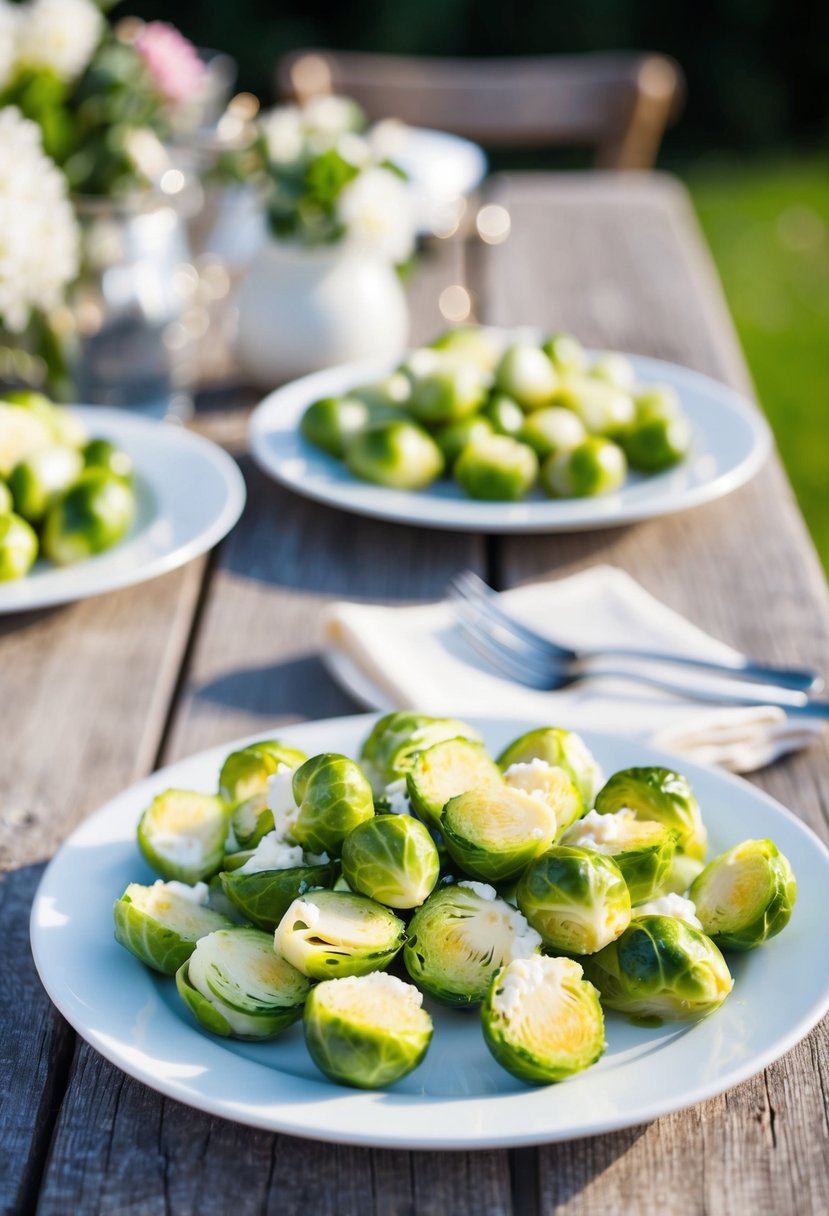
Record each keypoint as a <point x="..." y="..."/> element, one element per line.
<point x="172" y="61"/>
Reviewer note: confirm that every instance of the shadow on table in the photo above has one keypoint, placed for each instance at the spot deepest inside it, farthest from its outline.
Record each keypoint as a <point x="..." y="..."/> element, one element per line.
<point x="298" y="688"/>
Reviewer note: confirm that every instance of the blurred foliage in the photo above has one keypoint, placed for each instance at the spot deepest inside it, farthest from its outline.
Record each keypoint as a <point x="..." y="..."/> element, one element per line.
<point x="768" y="227"/>
<point x="758" y="70"/>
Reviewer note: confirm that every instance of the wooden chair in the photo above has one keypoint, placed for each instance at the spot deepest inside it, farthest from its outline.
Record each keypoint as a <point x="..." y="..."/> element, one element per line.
<point x="617" y="104"/>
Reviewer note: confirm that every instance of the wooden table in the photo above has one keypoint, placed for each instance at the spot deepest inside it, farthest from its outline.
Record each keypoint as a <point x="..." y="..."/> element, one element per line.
<point x="93" y="696"/>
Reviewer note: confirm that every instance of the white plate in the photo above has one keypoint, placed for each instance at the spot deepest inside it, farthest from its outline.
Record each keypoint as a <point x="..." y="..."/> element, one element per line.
<point x="441" y="169"/>
<point x="459" y="1098"/>
<point x="189" y="494"/>
<point x="731" y="440"/>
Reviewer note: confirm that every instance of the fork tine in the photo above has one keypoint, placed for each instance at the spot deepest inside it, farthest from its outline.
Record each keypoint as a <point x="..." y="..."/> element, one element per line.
<point x="499" y="658"/>
<point x="471" y="612"/>
<point x="470" y="587"/>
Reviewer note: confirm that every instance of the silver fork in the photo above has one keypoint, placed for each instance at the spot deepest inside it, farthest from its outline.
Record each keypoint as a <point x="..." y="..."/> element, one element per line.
<point x="508" y="653"/>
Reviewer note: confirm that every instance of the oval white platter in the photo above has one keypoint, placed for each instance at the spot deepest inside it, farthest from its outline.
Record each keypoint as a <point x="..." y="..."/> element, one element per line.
<point x="189" y="494"/>
<point x="731" y="440"/>
<point x="459" y="1098"/>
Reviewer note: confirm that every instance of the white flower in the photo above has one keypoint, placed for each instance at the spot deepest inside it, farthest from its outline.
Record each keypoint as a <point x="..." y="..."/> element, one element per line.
<point x="60" y="34"/>
<point x="284" y="135"/>
<point x="332" y="116"/>
<point x="38" y="235"/>
<point x="387" y="139"/>
<point x="376" y="211"/>
<point x="9" y="26"/>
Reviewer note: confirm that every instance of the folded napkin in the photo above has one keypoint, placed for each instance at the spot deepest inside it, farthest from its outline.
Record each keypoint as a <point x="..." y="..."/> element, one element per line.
<point x="416" y="658"/>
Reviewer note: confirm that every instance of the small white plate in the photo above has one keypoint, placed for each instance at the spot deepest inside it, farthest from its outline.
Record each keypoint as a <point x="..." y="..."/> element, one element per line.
<point x="189" y="494"/>
<point x="459" y="1098"/>
<point x="731" y="440"/>
<point x="441" y="168"/>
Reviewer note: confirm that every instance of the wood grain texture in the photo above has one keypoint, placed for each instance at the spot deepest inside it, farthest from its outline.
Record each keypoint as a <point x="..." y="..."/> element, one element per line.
<point x="618" y="262"/>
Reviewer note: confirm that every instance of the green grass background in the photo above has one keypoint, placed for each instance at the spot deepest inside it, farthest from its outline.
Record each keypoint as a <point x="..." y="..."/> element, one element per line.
<point x="768" y="226"/>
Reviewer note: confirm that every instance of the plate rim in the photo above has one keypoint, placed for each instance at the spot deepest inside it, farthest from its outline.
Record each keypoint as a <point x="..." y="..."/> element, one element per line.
<point x="485" y="518"/>
<point x="222" y="524"/>
<point x="221" y="1107"/>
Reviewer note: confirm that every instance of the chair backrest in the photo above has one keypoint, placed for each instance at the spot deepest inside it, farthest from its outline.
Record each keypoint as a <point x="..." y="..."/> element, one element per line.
<point x="618" y="104"/>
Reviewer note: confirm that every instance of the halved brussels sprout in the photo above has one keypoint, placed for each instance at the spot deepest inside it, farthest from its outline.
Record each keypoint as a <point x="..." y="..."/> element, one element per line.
<point x="566" y="353"/>
<point x="443" y="771"/>
<point x="393" y="859"/>
<point x="479" y="346"/>
<point x="333" y="796"/>
<point x="526" y="374"/>
<point x="247" y="771"/>
<point x="444" y="388"/>
<point x="504" y="415"/>
<point x="332" y="422"/>
<point x="494" y="833"/>
<point x="452" y="439"/>
<point x="331" y="933"/>
<point x="398" y="454"/>
<point x="460" y="938"/>
<point x="596" y="466"/>
<point x="236" y="985"/>
<point x="576" y="899"/>
<point x="252" y="820"/>
<point x="603" y="408"/>
<point x="93" y="515"/>
<point x="18" y="547"/>
<point x="682" y="872"/>
<point x="658" y="443"/>
<point x="162" y="923"/>
<point x="660" y="968"/>
<point x="392" y="392"/>
<point x="101" y="454"/>
<point x="394" y="741"/>
<point x="64" y="426"/>
<point x="542" y="1020"/>
<point x="642" y="849"/>
<point x="39" y="480"/>
<point x="745" y="896"/>
<point x="264" y="896"/>
<point x="553" y="429"/>
<point x="553" y="785"/>
<point x="615" y="369"/>
<point x="657" y="401"/>
<point x="657" y="794"/>
<point x="497" y="468"/>
<point x="367" y="1031"/>
<point x="182" y="835"/>
<point x="562" y="748"/>
<point x="22" y="431"/>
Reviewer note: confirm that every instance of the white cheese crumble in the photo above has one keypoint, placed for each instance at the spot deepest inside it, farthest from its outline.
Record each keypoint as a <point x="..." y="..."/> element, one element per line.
<point x="671" y="905"/>
<point x="272" y="853"/>
<point x="197" y="894"/>
<point x="281" y="801"/>
<point x="181" y="850"/>
<point x="602" y="833"/>
<point x="483" y="889"/>
<point x="535" y="765"/>
<point x="379" y="981"/>
<point x="529" y="777"/>
<point x="397" y="796"/>
<point x="537" y="978"/>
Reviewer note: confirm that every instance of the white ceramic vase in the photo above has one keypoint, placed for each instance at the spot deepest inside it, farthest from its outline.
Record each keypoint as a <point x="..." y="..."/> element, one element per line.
<point x="301" y="310"/>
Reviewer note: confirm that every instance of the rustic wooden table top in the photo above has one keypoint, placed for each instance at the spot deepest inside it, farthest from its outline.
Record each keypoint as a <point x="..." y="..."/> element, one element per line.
<point x="93" y="696"/>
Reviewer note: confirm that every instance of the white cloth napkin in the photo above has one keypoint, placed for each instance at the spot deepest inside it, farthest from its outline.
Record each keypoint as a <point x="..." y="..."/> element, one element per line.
<point x="416" y="658"/>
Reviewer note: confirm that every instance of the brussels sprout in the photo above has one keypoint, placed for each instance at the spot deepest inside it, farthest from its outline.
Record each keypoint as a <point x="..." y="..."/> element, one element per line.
<point x="505" y="415"/>
<point x="494" y="833"/>
<point x="64" y="426"/>
<point x="683" y="870"/>
<point x="252" y="820"/>
<point x="444" y="388"/>
<point x="246" y="772"/>
<point x="643" y="850"/>
<point x="332" y="423"/>
<point x="18" y="547"/>
<point x="745" y="896"/>
<point x="398" y="454"/>
<point x="497" y="468"/>
<point x="367" y="1031"/>
<point x="93" y="515"/>
<point x="21" y="433"/>
<point x="264" y="896"/>
<point x="526" y="374"/>
<point x="552" y="784"/>
<point x="576" y="899"/>
<point x="39" y="480"/>
<point x="553" y="429"/>
<point x="333" y="796"/>
<point x="658" y="443"/>
<point x="471" y="342"/>
<point x="446" y="769"/>
<point x="542" y="1020"/>
<point x="392" y="392"/>
<point x="390" y="749"/>
<point x="596" y="466"/>
<point x="658" y="794"/>
<point x="331" y="933"/>
<point x="657" y="401"/>
<point x="615" y="369"/>
<point x="236" y="985"/>
<point x="6" y="501"/>
<point x="101" y="454"/>
<point x="460" y="938"/>
<point x="566" y="353"/>
<point x="453" y="439"/>
<point x="162" y="923"/>
<point x="603" y="408"/>
<point x="182" y="834"/>
<point x="562" y="748"/>
<point x="660" y="968"/>
<point x="393" y="859"/>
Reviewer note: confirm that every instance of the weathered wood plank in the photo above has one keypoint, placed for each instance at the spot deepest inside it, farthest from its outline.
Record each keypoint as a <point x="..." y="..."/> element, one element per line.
<point x="617" y="261"/>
